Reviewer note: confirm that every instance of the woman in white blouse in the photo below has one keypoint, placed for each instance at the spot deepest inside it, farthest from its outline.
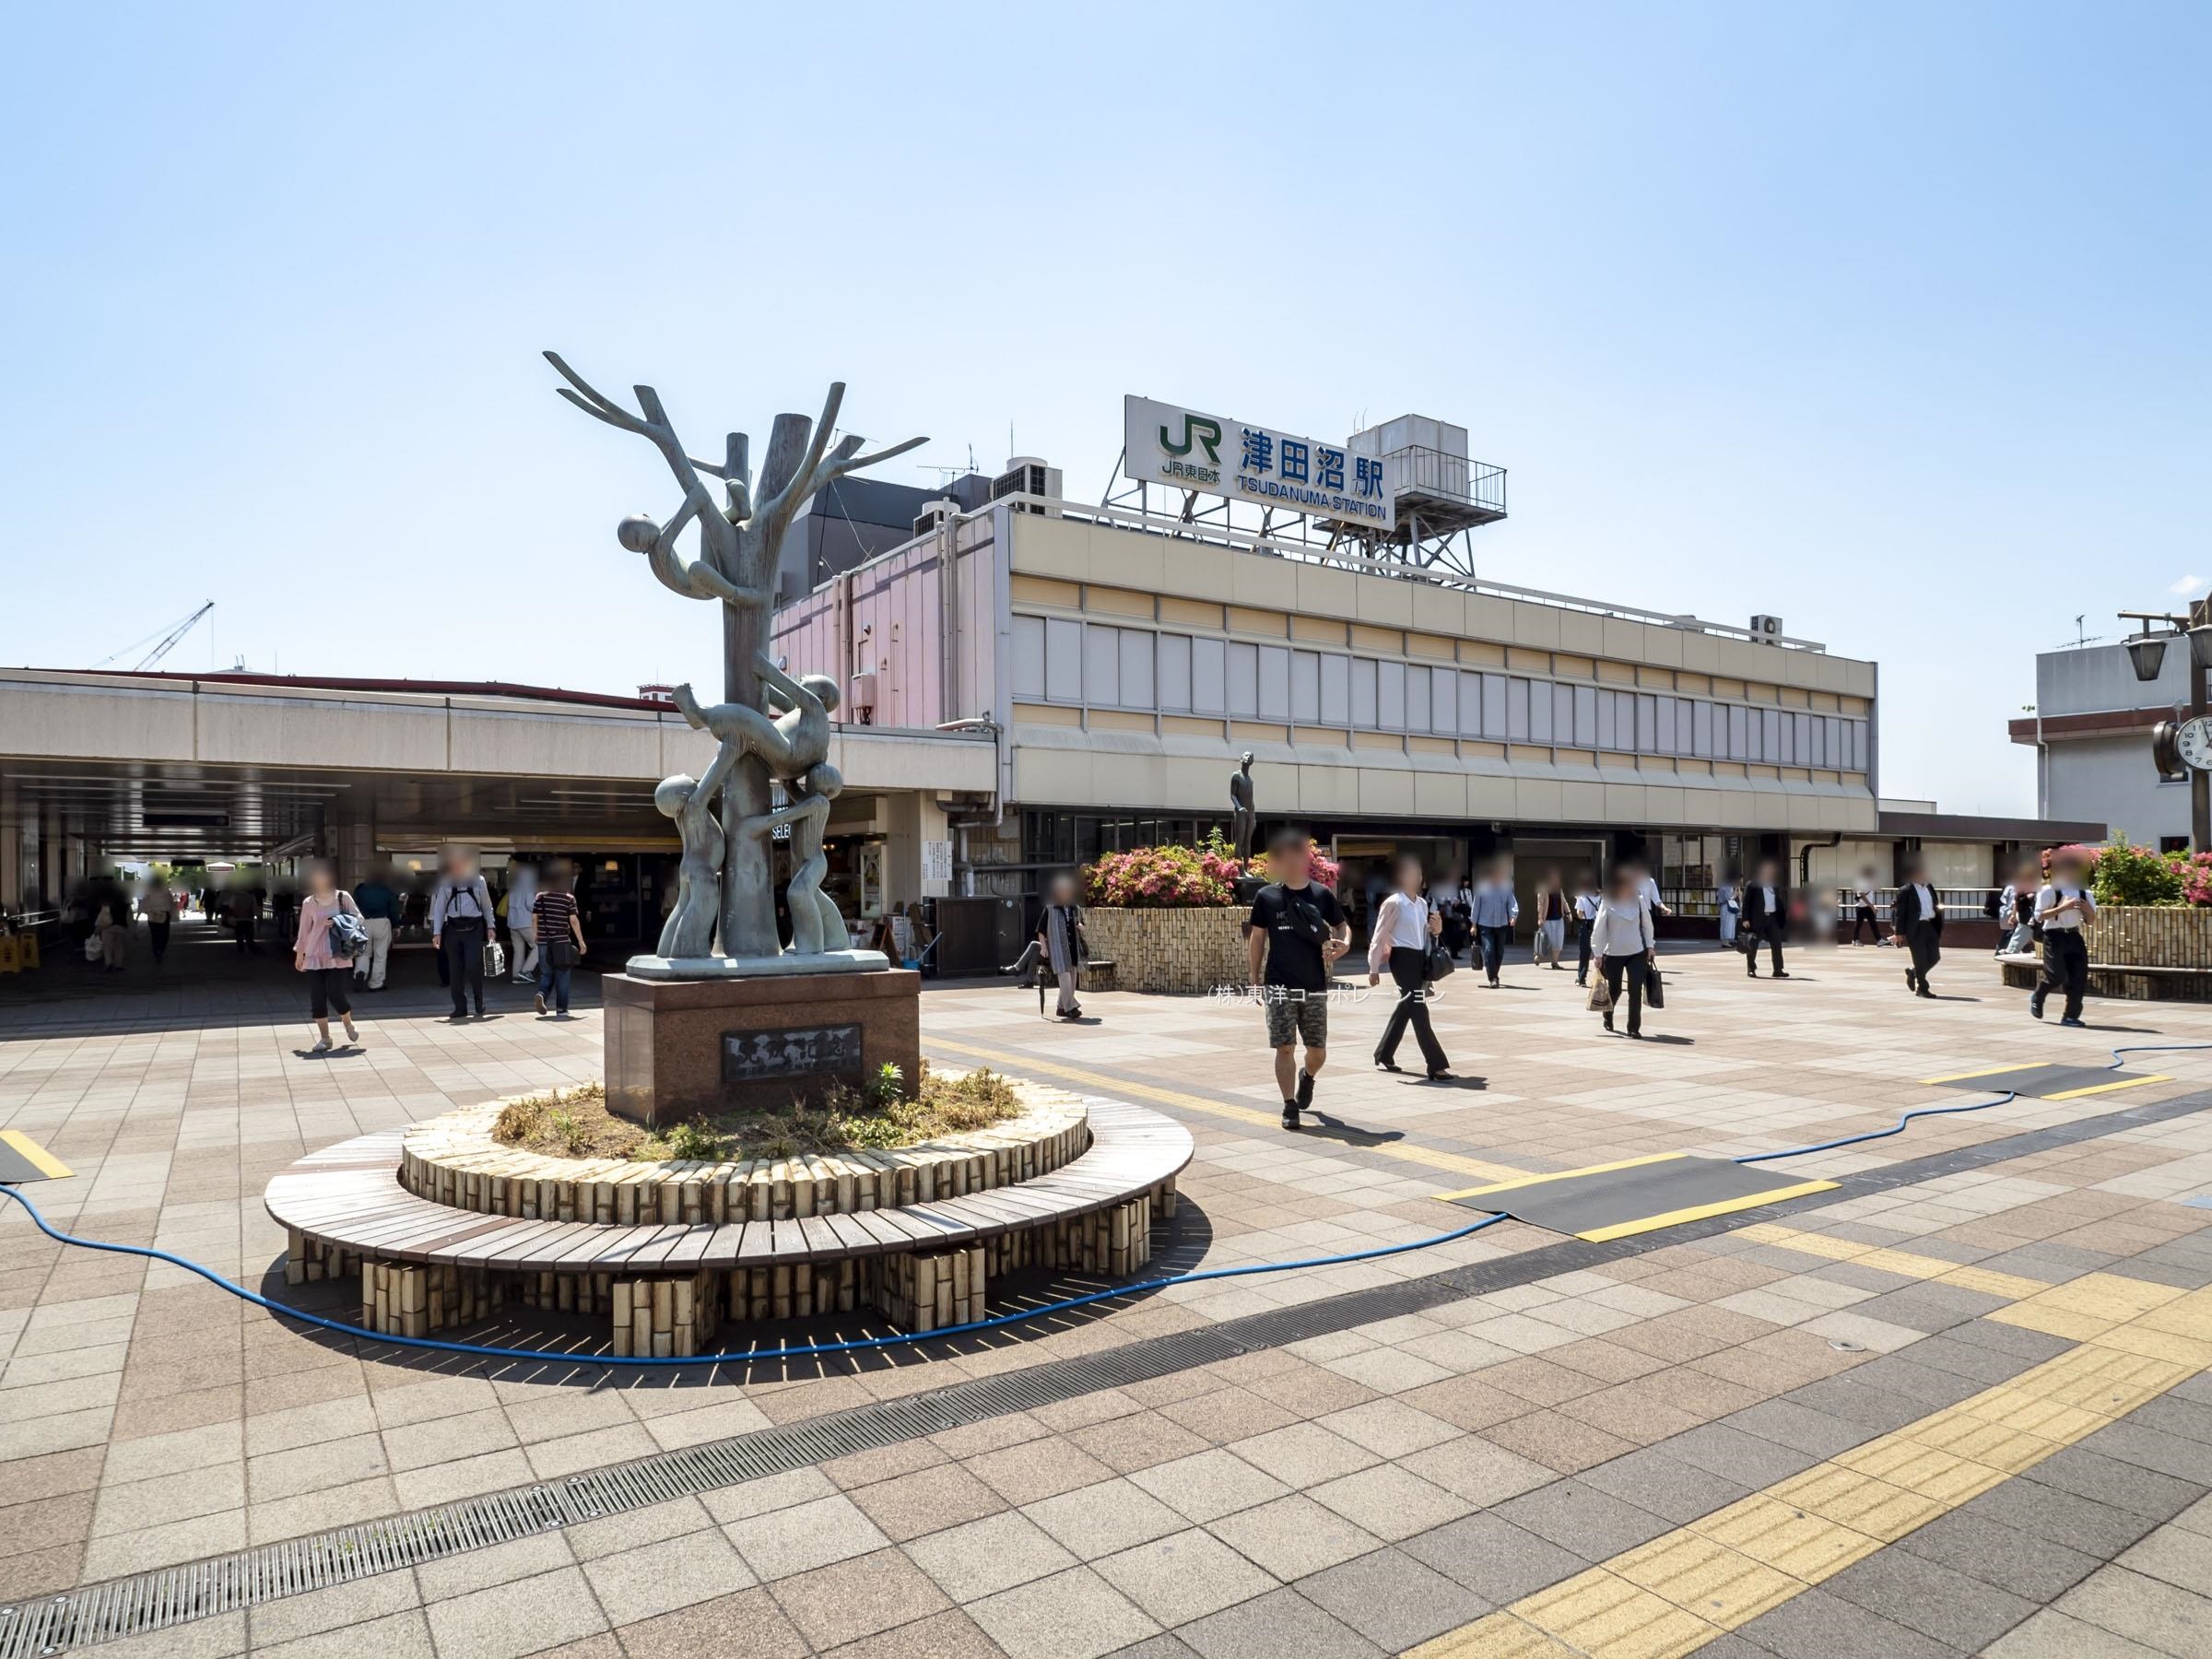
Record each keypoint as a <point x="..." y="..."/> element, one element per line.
<point x="1404" y="926"/>
<point x="1622" y="939"/>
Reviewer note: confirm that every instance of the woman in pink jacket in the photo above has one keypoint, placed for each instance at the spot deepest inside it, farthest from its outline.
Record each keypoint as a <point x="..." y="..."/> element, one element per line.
<point x="328" y="973"/>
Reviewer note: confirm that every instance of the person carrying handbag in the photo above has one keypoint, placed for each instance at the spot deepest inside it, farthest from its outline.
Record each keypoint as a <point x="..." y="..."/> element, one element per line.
<point x="1622" y="939"/>
<point x="323" y="949"/>
<point x="558" y="932"/>
<point x="1406" y="934"/>
<point x="1065" y="949"/>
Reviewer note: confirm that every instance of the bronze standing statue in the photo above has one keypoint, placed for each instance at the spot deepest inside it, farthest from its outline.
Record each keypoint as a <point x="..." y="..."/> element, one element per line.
<point x="1240" y="814"/>
<point x="777" y="732"/>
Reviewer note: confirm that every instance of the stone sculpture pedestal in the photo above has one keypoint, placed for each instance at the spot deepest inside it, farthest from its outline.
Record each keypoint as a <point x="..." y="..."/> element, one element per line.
<point x="678" y="1048"/>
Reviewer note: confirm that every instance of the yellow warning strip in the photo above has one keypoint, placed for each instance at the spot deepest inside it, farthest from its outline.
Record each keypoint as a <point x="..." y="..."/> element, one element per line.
<point x="1905" y="1263"/>
<point x="1529" y="1181"/>
<point x="46" y="1163"/>
<point x="2096" y="1089"/>
<point x="1099" y="1083"/>
<point x="1688" y="1587"/>
<point x="1698" y="1212"/>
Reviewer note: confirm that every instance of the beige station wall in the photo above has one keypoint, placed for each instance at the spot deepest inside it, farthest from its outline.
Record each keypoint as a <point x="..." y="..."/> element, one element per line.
<point x="1096" y="757"/>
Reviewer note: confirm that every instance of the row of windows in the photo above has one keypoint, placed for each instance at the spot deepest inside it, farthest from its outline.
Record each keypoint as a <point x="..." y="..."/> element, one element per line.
<point x="1060" y="661"/>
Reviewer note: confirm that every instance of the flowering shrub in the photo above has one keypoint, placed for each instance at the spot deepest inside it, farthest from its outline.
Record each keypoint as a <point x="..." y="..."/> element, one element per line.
<point x="1183" y="877"/>
<point x="2126" y="873"/>
<point x="1155" y="878"/>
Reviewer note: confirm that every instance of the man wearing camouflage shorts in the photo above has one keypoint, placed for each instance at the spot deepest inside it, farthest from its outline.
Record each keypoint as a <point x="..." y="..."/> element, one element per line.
<point x="1294" y="933"/>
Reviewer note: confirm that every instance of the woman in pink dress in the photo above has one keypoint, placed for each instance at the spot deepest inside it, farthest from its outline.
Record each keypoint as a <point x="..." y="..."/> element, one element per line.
<point x="328" y="975"/>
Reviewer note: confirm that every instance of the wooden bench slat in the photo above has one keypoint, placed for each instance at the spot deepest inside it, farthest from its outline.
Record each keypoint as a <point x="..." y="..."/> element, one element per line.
<point x="347" y="1195"/>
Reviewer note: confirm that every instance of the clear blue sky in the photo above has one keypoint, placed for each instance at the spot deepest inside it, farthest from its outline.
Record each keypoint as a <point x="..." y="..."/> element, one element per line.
<point x="1889" y="319"/>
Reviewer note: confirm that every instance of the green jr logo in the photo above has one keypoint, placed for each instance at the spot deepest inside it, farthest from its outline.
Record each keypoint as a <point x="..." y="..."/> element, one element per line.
<point x="1196" y="428"/>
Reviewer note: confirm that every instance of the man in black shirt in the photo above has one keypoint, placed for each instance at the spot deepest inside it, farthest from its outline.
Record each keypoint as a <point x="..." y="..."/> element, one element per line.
<point x="1295" y="932"/>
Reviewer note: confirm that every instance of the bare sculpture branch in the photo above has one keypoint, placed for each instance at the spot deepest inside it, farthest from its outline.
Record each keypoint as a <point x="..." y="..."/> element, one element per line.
<point x="697" y="578"/>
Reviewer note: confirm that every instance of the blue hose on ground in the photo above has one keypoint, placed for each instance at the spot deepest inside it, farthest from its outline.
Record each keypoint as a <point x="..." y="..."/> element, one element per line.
<point x="1853" y="1140"/>
<point x="741" y="1356"/>
<point x="863" y="1344"/>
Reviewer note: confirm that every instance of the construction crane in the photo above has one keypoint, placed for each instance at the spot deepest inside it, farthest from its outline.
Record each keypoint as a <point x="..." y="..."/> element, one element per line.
<point x="163" y="640"/>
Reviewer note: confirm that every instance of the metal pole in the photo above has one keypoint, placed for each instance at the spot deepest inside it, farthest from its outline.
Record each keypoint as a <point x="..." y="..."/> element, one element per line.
<point x="2200" y="783"/>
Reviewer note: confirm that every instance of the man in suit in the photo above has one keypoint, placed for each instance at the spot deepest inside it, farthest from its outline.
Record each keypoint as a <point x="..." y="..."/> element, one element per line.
<point x="1917" y="915"/>
<point x="1766" y="916"/>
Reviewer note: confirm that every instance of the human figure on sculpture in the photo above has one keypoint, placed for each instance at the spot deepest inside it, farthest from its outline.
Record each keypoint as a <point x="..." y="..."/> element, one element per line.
<point x="689" y="930"/>
<point x="791" y="741"/>
<point x="816" y="924"/>
<point x="1240" y="807"/>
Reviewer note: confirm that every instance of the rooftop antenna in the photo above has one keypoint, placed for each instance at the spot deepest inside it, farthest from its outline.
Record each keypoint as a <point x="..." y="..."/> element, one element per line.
<point x="947" y="474"/>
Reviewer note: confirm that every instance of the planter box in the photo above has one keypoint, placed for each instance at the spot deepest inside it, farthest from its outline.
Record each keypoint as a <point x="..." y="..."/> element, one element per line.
<point x="1188" y="951"/>
<point x="2152" y="935"/>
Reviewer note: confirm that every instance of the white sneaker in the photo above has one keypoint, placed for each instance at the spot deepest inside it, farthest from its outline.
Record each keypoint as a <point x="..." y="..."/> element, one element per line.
<point x="321" y="1046"/>
<point x="351" y="1035"/>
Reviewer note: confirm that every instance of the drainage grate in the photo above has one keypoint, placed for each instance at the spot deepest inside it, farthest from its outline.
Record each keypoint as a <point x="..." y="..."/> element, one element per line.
<point x="175" y="1595"/>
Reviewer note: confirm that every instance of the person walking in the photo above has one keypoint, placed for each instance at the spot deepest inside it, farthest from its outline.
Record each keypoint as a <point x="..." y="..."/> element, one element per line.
<point x="1588" y="901"/>
<point x="1497" y="908"/>
<point x="2062" y="908"/>
<point x="521" y="900"/>
<point x="460" y="927"/>
<point x="1732" y="909"/>
<point x="1622" y="937"/>
<point x="111" y="923"/>
<point x="1296" y="931"/>
<point x="328" y="972"/>
<point x="379" y="907"/>
<point x="1404" y="934"/>
<point x="1066" y="951"/>
<point x="558" y="929"/>
<point x="1551" y="921"/>
<point x="1916" y="914"/>
<point x="159" y="906"/>
<point x="244" y="911"/>
<point x="1868" y="920"/>
<point x="1766" y="917"/>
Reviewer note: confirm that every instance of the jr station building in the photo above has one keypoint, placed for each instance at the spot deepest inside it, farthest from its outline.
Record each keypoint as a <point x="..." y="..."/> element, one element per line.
<point x="1029" y="681"/>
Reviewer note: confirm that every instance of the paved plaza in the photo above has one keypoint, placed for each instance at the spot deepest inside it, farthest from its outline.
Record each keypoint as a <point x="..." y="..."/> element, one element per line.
<point x="1955" y="1404"/>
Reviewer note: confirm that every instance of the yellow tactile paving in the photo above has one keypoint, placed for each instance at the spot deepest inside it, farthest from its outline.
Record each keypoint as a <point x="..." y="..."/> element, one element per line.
<point x="1903" y="1262"/>
<point x="1121" y="1087"/>
<point x="1681" y="1591"/>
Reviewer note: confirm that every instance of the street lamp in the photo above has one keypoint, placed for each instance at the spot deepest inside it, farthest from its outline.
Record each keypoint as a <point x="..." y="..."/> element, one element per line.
<point x="2147" y="653"/>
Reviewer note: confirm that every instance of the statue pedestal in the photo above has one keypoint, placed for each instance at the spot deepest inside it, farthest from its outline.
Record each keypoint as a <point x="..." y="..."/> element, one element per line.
<point x="678" y="1048"/>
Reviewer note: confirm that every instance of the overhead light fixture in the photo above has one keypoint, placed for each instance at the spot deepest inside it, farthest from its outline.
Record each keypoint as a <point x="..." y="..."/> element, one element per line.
<point x="2147" y="653"/>
<point x="2200" y="646"/>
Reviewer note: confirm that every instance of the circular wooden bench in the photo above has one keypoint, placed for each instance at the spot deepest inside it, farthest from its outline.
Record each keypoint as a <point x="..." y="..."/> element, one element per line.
<point x="425" y="1265"/>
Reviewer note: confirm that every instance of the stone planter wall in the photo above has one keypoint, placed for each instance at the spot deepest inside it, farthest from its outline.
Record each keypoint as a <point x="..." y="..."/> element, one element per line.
<point x="2152" y="935"/>
<point x="1187" y="951"/>
<point x="453" y="1159"/>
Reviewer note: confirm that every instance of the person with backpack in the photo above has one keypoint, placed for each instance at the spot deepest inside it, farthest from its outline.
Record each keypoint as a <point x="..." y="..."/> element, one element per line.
<point x="2063" y="908"/>
<point x="331" y="935"/>
<point x="558" y="932"/>
<point x="1296" y="931"/>
<point x="460" y="928"/>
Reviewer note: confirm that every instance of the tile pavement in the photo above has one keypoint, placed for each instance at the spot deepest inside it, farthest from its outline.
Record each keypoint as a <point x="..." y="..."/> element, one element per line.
<point x="1363" y="1492"/>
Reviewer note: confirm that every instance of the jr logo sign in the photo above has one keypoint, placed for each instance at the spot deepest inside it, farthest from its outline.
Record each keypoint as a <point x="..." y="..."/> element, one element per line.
<point x="1198" y="429"/>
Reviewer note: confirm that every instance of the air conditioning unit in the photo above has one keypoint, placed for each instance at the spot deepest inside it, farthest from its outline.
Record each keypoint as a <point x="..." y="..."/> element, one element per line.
<point x="1028" y="475"/>
<point x="934" y="516"/>
<point x="1768" y="630"/>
